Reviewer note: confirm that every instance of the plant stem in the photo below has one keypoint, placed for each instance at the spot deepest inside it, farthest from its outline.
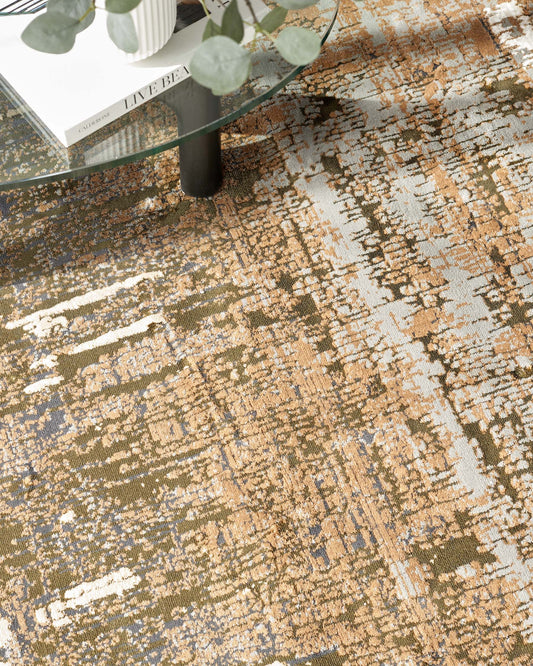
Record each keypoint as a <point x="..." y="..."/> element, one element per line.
<point x="260" y="31"/>
<point x="91" y="9"/>
<point x="204" y="7"/>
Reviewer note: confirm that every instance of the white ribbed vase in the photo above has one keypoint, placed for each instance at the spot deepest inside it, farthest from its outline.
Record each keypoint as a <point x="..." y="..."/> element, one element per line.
<point x="154" y="21"/>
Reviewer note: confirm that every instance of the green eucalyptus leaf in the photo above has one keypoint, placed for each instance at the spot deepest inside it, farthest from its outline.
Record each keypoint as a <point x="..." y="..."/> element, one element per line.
<point x="121" y="6"/>
<point x="232" y="25"/>
<point x="122" y="31"/>
<point x="298" y="46"/>
<point x="51" y="33"/>
<point x="220" y="64"/>
<point x="296" y="4"/>
<point x="211" y="30"/>
<point x="75" y="9"/>
<point x="274" y="19"/>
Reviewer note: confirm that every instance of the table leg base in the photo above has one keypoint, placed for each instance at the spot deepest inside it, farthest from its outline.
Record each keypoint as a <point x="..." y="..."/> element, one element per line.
<point x="201" y="165"/>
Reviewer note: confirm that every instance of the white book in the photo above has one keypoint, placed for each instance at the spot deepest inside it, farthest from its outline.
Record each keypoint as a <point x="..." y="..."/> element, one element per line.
<point x="76" y="93"/>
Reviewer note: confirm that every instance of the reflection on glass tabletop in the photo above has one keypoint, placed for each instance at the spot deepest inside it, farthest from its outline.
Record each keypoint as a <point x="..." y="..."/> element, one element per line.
<point x="29" y="156"/>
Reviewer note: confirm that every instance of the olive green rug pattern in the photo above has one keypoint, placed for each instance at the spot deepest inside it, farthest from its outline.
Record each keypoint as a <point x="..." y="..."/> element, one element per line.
<point x="291" y="425"/>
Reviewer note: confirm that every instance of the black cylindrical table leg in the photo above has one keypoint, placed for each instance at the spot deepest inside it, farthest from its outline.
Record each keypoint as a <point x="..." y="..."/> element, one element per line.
<point x="200" y="157"/>
<point x="201" y="165"/>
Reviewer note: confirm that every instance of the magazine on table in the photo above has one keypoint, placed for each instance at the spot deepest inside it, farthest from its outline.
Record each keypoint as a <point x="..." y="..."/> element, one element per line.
<point x="73" y="95"/>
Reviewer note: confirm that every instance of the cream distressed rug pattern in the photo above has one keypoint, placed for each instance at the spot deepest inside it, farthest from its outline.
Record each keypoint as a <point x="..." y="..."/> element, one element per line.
<point x="292" y="425"/>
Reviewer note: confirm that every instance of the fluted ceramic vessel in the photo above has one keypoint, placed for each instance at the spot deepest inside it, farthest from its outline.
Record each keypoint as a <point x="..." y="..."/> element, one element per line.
<point x="154" y="22"/>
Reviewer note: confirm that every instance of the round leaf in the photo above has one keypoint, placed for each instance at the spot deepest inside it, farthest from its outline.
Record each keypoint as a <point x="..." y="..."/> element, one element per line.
<point x="220" y="64"/>
<point x="296" y="4"/>
<point x="232" y="25"/>
<point x="274" y="19"/>
<point x="298" y="46"/>
<point x="51" y="33"/>
<point x="74" y="9"/>
<point x="122" y="31"/>
<point x="121" y="6"/>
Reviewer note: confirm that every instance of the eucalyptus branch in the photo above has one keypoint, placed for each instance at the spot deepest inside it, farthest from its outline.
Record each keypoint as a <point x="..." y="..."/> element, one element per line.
<point x="219" y="62"/>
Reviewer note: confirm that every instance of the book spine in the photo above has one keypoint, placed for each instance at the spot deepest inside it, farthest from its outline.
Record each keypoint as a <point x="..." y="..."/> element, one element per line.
<point x="120" y="108"/>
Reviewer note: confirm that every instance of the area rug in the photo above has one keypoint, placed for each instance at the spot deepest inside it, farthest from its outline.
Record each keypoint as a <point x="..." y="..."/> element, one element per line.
<point x="293" y="424"/>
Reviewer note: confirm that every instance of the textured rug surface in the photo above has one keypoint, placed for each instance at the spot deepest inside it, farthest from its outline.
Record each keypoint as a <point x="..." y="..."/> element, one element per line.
<point x="292" y="425"/>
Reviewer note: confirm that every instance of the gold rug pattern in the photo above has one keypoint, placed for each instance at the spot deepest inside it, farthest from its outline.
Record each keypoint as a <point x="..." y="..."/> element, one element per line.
<point x="292" y="425"/>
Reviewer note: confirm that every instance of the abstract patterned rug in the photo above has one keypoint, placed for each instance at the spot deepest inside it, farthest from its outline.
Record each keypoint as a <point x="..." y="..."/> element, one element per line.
<point x="292" y="425"/>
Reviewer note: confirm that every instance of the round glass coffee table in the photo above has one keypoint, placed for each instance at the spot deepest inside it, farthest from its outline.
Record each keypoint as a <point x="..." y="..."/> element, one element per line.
<point x="187" y="115"/>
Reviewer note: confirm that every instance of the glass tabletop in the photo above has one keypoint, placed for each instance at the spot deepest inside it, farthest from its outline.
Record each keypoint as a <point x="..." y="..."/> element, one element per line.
<point x="28" y="155"/>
